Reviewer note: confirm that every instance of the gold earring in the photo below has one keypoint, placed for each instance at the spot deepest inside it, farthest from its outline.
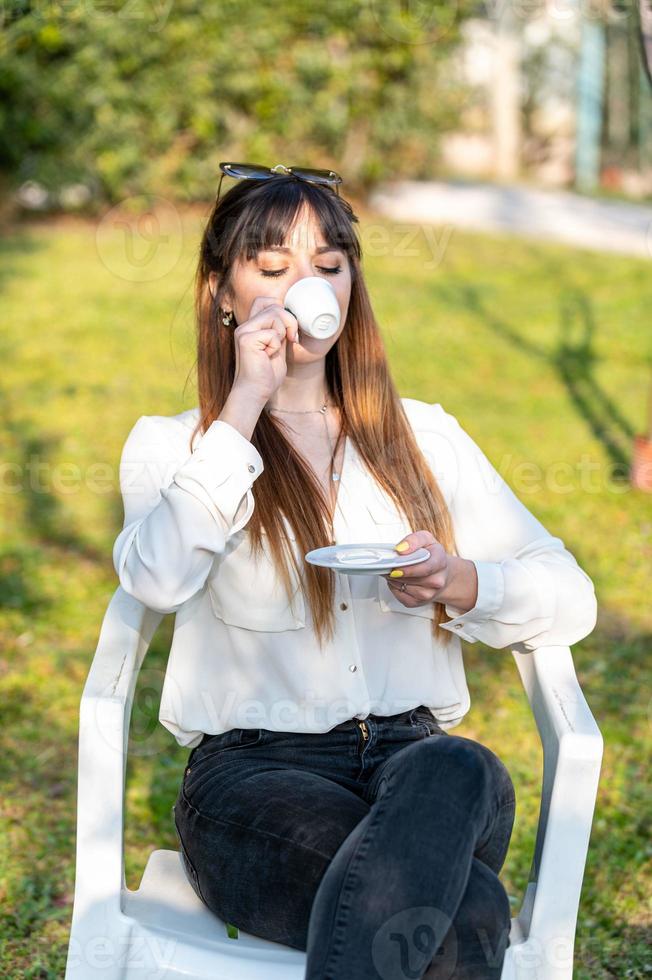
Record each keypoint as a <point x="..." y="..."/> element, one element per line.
<point x="227" y="318"/>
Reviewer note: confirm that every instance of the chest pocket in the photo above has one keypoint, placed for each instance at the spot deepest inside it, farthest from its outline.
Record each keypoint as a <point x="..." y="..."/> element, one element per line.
<point x="245" y="591"/>
<point x="390" y="527"/>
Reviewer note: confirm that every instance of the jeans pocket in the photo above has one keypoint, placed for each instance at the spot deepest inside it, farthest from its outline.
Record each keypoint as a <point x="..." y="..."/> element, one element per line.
<point x="234" y="738"/>
<point x="212" y="751"/>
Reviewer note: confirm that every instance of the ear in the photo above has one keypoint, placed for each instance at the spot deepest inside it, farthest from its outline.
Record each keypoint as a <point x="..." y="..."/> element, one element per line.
<point x="213" y="283"/>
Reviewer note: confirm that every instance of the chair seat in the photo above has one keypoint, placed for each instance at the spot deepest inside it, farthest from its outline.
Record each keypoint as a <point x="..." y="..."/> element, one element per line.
<point x="181" y="934"/>
<point x="177" y="933"/>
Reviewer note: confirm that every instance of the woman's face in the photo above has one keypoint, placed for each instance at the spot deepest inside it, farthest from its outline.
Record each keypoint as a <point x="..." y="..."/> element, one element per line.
<point x="271" y="273"/>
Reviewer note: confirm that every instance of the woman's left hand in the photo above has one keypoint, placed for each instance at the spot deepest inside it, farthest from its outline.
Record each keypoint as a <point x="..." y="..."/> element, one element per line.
<point x="426" y="579"/>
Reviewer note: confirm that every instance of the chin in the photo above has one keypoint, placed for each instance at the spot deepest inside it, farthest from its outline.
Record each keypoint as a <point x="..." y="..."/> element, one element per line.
<point x="305" y="340"/>
<point x="304" y="343"/>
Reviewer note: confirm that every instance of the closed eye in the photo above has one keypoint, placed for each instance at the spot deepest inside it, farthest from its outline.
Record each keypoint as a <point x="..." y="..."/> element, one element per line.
<point x="275" y="273"/>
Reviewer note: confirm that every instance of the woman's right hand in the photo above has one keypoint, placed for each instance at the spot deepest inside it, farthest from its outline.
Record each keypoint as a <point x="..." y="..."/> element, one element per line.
<point x="260" y="346"/>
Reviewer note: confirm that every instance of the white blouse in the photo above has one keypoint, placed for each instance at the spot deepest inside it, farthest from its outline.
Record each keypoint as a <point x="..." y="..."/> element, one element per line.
<point x="243" y="657"/>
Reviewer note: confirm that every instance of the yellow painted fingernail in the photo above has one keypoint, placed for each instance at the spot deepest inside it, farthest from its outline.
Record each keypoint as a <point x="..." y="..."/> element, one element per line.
<point x="402" y="546"/>
<point x="396" y="573"/>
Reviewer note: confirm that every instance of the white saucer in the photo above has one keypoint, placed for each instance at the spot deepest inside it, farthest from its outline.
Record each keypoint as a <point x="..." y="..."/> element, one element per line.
<point x="364" y="559"/>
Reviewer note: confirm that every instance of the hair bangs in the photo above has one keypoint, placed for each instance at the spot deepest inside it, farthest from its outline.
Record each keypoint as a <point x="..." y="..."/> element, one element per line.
<point x="271" y="212"/>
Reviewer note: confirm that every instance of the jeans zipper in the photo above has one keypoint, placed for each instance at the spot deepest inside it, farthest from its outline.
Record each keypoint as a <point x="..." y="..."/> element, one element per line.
<point x="365" y="731"/>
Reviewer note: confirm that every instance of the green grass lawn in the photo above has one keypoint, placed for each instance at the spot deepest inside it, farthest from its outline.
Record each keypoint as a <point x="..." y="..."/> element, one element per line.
<point x="543" y="355"/>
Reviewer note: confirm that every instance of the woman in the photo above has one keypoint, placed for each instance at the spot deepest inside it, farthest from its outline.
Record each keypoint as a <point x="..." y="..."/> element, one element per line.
<point x="324" y="805"/>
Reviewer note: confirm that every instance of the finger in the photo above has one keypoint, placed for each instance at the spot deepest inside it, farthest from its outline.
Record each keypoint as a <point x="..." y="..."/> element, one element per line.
<point x="408" y="579"/>
<point x="261" y="303"/>
<point x="266" y="338"/>
<point x="420" y="569"/>
<point x="426" y="587"/>
<point x="415" y="596"/>
<point x="419" y="589"/>
<point x="421" y="573"/>
<point x="283" y="331"/>
<point x="272" y="308"/>
<point x="264" y="322"/>
<point x="414" y="540"/>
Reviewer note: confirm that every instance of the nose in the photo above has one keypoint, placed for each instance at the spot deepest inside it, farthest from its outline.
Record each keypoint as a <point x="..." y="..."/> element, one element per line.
<point x="303" y="269"/>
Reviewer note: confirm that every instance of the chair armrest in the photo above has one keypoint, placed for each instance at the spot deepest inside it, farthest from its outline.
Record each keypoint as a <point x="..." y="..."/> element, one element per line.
<point x="572" y="754"/>
<point x="105" y="713"/>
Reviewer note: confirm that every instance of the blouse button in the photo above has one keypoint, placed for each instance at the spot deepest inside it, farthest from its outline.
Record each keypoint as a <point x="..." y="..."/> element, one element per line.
<point x="352" y="667"/>
<point x="344" y="605"/>
<point x="251" y="468"/>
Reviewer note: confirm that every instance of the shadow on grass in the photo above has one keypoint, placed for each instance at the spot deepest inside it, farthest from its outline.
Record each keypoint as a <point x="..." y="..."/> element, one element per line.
<point x="572" y="359"/>
<point x="44" y="517"/>
<point x="19" y="571"/>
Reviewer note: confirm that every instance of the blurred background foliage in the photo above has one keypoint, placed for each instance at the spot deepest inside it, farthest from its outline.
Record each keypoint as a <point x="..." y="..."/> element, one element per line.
<point x="127" y="98"/>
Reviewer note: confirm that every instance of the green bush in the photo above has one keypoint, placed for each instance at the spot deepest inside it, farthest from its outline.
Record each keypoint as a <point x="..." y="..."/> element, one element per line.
<point x="140" y="98"/>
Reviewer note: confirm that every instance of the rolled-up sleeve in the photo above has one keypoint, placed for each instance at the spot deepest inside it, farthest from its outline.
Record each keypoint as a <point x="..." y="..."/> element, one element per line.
<point x="531" y="590"/>
<point x="180" y="509"/>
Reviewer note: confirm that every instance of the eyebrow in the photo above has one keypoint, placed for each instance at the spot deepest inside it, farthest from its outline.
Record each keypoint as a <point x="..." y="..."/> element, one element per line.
<point x="288" y="251"/>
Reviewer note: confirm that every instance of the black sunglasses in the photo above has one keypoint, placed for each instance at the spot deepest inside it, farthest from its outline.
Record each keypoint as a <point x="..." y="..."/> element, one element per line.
<point x="253" y="171"/>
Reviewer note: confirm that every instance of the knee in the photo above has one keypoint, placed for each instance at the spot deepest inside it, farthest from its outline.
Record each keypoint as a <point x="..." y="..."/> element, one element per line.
<point x="478" y="766"/>
<point x="463" y="765"/>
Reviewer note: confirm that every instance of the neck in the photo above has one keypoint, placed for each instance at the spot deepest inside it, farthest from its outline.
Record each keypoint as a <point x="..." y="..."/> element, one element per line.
<point x="303" y="390"/>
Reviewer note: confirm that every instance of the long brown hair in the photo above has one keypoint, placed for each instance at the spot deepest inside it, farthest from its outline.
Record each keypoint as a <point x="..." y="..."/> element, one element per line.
<point x="254" y="215"/>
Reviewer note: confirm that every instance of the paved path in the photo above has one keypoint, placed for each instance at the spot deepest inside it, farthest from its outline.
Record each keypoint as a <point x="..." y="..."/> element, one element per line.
<point x="561" y="216"/>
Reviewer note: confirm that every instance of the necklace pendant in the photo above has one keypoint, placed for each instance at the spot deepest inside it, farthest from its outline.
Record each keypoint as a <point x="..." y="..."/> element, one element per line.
<point x="336" y="476"/>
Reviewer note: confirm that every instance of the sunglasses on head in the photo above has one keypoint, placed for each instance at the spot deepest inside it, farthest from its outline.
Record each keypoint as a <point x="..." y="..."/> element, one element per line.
<point x="253" y="171"/>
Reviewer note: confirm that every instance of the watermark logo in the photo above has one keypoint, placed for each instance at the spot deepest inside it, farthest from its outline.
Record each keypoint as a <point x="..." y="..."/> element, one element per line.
<point x="140" y="239"/>
<point x="408" y="942"/>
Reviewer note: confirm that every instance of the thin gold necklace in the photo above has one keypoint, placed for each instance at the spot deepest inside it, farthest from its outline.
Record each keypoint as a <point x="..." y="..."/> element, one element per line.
<point x="314" y="411"/>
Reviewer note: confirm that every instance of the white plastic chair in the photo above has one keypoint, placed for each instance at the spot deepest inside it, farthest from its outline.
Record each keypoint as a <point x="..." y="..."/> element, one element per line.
<point x="162" y="930"/>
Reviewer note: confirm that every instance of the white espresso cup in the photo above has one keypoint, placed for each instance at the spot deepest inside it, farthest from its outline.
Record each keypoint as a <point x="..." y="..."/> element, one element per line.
<point x="313" y="302"/>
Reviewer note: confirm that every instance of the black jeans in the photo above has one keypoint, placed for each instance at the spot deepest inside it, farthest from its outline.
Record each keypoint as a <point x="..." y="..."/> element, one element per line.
<point x="379" y="857"/>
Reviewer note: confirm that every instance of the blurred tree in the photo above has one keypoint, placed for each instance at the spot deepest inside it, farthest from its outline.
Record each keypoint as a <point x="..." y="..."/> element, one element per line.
<point x="138" y="98"/>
